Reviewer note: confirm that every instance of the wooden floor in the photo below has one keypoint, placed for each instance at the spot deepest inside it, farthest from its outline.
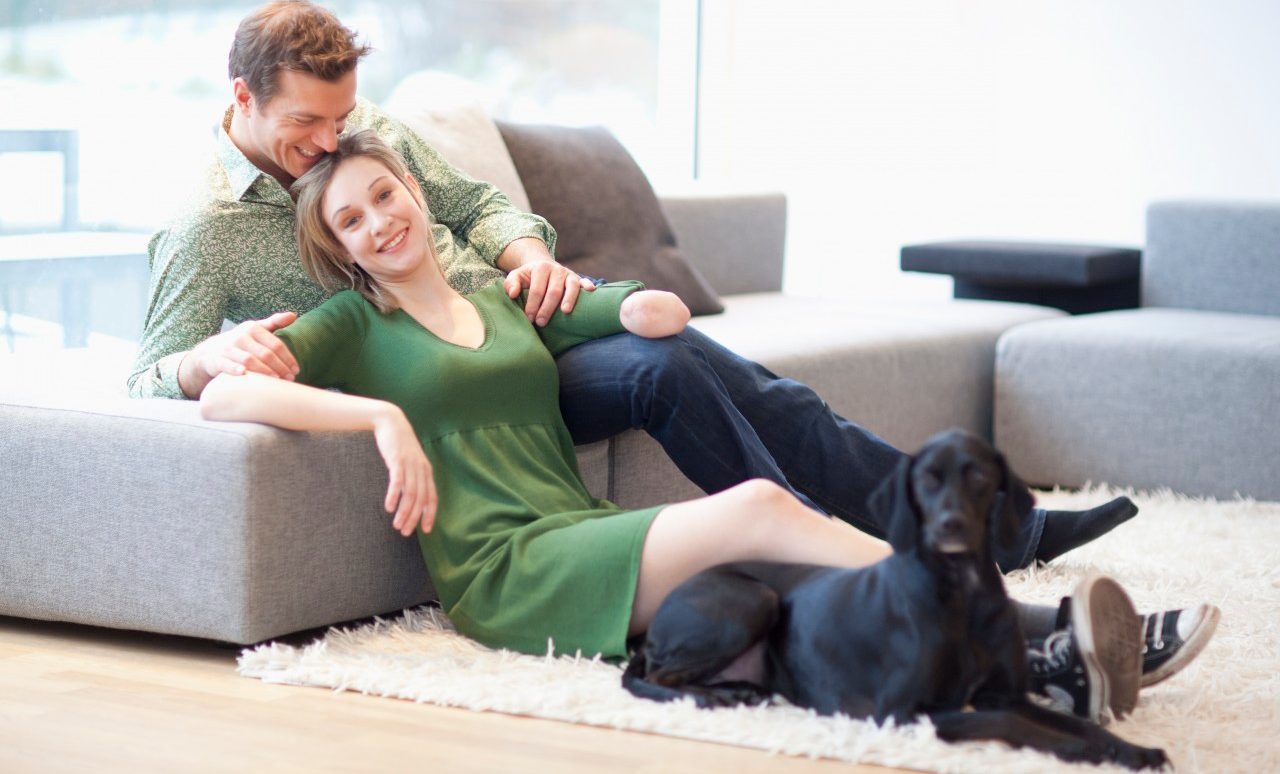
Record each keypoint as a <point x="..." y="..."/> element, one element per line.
<point x="76" y="698"/>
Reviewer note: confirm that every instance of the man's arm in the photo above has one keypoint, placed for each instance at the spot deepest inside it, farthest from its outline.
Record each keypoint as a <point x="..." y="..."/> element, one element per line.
<point x="181" y="349"/>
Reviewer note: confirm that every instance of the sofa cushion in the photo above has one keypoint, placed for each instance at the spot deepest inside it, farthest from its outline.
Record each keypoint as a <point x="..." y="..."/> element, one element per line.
<point x="442" y="110"/>
<point x="607" y="218"/>
<point x="1145" y="398"/>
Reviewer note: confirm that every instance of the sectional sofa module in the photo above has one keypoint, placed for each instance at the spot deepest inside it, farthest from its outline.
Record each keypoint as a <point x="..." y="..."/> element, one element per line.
<point x="1183" y="392"/>
<point x="138" y="514"/>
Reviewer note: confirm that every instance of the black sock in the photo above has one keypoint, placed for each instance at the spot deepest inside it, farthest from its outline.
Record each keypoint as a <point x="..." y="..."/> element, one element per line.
<point x="1065" y="530"/>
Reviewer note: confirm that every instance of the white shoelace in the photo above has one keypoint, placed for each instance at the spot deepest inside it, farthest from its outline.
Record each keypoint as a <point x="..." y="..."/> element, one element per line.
<point x="1158" y="619"/>
<point x="1057" y="648"/>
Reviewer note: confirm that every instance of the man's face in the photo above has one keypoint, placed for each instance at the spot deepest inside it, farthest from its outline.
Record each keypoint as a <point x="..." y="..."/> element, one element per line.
<point x="302" y="122"/>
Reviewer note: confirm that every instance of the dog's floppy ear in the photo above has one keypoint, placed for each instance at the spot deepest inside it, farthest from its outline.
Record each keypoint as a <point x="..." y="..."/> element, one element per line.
<point x="893" y="508"/>
<point x="1012" y="507"/>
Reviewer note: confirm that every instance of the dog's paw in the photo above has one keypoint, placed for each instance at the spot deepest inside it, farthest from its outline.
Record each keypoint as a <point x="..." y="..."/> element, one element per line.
<point x="1134" y="757"/>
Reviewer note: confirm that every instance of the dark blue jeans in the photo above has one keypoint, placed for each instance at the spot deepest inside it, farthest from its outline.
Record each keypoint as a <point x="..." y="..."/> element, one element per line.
<point x="724" y="419"/>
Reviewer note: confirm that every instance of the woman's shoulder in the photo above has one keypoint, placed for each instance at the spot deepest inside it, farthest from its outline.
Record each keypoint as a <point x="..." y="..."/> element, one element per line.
<point x="347" y="306"/>
<point x="493" y="294"/>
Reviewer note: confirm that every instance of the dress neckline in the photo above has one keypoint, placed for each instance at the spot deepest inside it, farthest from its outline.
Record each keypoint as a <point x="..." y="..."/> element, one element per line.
<point x="484" y="321"/>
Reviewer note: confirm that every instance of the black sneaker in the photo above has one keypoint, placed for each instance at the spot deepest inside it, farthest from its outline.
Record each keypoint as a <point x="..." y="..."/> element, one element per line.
<point x="1172" y="639"/>
<point x="1094" y="663"/>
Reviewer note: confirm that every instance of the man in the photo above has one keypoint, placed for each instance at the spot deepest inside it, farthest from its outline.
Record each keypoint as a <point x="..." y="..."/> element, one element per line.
<point x="721" y="418"/>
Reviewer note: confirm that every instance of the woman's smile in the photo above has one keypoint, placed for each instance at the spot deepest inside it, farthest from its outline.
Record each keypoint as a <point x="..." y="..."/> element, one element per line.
<point x="392" y="244"/>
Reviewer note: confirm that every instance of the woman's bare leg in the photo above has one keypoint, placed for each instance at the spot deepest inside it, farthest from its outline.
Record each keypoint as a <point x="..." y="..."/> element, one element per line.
<point x="755" y="520"/>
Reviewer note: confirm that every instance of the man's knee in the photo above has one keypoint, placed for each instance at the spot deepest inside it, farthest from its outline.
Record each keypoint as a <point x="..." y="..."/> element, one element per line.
<point x="662" y="368"/>
<point x="664" y="357"/>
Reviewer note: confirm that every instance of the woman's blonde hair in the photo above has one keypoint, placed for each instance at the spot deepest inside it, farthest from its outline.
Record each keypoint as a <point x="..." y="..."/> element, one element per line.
<point x="323" y="256"/>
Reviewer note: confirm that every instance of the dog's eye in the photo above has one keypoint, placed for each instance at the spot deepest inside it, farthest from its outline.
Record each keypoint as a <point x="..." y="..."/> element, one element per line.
<point x="977" y="477"/>
<point x="929" y="479"/>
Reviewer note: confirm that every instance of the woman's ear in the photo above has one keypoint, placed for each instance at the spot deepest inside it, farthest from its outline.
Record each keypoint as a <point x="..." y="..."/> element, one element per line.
<point x="893" y="508"/>
<point x="415" y="189"/>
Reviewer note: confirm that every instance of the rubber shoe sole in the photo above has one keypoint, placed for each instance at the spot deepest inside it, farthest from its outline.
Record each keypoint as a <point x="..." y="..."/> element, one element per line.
<point x="1109" y="639"/>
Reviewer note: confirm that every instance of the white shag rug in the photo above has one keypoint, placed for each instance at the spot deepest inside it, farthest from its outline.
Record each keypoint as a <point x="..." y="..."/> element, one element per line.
<point x="1221" y="714"/>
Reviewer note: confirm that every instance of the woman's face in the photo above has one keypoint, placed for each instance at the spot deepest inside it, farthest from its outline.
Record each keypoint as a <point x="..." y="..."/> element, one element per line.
<point x="379" y="221"/>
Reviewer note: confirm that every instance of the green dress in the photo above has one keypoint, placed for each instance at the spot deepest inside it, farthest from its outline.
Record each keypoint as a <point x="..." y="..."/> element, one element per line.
<point x="520" y="553"/>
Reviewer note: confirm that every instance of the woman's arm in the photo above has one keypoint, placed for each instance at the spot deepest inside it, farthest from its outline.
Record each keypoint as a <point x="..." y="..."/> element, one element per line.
<point x="653" y="314"/>
<point x="411" y="494"/>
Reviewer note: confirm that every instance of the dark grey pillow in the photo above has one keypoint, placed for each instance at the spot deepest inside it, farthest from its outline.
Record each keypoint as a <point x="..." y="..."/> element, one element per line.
<point x="607" y="219"/>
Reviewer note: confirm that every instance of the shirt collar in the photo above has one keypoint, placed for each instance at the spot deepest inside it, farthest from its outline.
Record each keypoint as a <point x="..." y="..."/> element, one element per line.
<point x="248" y="183"/>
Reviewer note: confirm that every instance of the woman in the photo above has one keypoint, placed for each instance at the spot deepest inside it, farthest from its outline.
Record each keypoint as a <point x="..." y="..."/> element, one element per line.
<point x="522" y="554"/>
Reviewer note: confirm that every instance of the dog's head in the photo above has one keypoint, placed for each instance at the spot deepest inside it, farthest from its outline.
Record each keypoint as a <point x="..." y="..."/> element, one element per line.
<point x="957" y="495"/>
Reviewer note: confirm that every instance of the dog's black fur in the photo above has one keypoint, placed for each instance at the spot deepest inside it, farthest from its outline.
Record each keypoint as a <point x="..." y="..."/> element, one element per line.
<point x="928" y="630"/>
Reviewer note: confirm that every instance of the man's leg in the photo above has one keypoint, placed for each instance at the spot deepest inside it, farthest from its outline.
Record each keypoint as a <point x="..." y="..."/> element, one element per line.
<point x="837" y="464"/>
<point x="834" y="462"/>
<point x="667" y="388"/>
<point x="723" y="419"/>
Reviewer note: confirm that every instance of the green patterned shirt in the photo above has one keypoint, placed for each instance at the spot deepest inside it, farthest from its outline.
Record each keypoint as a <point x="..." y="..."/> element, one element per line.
<point x="233" y="254"/>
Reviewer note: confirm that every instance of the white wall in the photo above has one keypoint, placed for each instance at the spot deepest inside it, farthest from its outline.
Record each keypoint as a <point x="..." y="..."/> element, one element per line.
<point x="894" y="121"/>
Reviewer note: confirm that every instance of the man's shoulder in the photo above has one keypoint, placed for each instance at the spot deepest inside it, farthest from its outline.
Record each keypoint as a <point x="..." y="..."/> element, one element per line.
<point x="205" y="211"/>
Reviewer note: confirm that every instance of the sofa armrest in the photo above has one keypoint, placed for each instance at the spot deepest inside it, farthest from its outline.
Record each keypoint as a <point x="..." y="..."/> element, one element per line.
<point x="737" y="241"/>
<point x="1213" y="255"/>
<point x="138" y="514"/>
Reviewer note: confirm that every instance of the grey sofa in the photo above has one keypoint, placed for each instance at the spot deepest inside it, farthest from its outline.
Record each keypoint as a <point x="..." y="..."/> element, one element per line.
<point x="140" y="515"/>
<point x="1183" y="392"/>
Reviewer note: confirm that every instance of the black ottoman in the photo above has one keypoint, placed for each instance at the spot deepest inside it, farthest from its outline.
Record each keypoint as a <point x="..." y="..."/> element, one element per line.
<point x="1075" y="278"/>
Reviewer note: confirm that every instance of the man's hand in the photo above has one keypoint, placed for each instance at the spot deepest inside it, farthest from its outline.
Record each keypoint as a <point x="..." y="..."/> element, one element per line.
<point x="550" y="285"/>
<point x="529" y="264"/>
<point x="251" y="346"/>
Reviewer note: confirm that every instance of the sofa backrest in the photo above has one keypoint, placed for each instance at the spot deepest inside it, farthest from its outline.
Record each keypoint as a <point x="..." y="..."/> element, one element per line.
<point x="1218" y="256"/>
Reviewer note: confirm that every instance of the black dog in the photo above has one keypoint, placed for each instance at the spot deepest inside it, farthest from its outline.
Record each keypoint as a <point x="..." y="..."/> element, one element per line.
<point x="928" y="630"/>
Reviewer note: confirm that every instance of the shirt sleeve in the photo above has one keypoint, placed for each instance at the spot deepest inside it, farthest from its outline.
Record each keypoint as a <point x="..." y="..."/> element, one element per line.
<point x="328" y="340"/>
<point x="187" y="304"/>
<point x="476" y="212"/>
<point x="595" y="315"/>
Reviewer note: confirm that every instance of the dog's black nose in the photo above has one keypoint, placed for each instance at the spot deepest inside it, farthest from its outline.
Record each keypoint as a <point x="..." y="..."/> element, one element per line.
<point x="951" y="524"/>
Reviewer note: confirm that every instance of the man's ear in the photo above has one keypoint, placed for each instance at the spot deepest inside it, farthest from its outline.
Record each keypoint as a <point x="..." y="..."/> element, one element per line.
<point x="893" y="508"/>
<point x="243" y="98"/>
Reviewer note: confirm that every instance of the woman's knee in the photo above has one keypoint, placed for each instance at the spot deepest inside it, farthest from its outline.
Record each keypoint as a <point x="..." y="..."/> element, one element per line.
<point x="766" y="511"/>
<point x="762" y="493"/>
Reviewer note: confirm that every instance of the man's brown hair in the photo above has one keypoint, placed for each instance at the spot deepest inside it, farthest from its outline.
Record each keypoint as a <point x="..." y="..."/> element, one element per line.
<point x="291" y="35"/>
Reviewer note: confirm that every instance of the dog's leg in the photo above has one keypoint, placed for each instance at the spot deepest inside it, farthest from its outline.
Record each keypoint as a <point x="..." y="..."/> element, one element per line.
<point x="1026" y="725"/>
<point x="708" y="626"/>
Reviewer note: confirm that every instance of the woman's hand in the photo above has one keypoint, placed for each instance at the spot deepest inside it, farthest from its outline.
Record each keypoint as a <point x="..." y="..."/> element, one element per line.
<point x="411" y="493"/>
<point x="653" y="314"/>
